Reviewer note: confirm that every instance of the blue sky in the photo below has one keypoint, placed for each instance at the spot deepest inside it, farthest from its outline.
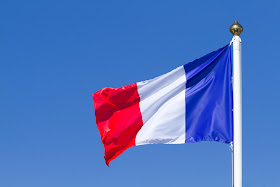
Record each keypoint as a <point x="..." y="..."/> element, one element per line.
<point x="55" y="54"/>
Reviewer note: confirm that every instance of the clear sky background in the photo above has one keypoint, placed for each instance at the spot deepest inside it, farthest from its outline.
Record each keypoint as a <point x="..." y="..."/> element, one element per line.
<point x="55" y="54"/>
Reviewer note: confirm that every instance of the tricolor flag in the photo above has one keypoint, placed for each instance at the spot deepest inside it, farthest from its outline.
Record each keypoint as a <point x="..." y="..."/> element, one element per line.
<point x="189" y="104"/>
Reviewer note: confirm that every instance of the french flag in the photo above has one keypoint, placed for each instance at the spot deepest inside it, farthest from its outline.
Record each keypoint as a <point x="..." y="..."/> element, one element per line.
<point x="191" y="103"/>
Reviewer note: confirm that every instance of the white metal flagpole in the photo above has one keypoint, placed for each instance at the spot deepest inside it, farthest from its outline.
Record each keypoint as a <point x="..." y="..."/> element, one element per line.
<point x="236" y="29"/>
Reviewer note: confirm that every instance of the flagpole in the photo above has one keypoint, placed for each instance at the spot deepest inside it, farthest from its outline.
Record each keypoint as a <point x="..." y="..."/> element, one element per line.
<point x="236" y="29"/>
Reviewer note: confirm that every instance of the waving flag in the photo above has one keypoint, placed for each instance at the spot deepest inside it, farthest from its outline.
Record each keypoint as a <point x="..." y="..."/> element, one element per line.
<point x="189" y="104"/>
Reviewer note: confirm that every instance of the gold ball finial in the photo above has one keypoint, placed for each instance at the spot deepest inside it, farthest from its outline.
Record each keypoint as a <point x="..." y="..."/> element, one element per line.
<point x="236" y="29"/>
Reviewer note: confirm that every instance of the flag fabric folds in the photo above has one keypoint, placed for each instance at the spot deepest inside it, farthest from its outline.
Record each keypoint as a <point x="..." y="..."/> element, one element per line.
<point x="192" y="103"/>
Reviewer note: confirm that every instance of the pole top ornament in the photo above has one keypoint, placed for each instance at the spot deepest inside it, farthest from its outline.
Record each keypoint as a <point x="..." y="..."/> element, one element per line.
<point x="236" y="28"/>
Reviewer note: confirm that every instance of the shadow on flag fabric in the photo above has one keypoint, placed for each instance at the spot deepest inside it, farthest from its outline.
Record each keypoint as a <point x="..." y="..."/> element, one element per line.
<point x="189" y="104"/>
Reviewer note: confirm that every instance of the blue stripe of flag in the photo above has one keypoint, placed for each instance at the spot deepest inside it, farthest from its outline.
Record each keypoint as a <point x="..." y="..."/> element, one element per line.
<point x="209" y="99"/>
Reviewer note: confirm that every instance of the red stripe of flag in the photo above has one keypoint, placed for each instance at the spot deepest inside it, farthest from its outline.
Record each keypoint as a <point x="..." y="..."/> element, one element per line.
<point x="118" y="118"/>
